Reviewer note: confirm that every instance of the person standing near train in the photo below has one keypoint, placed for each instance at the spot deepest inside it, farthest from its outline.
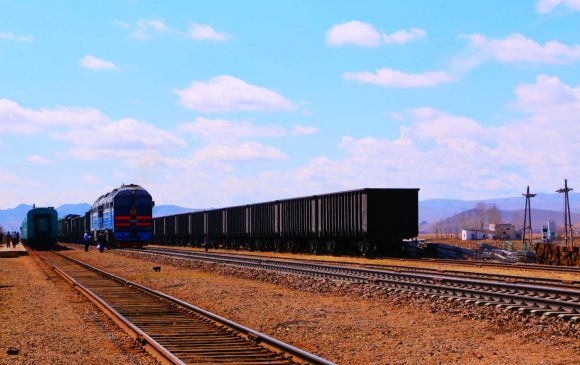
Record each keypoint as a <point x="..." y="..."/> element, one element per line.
<point x="86" y="239"/>
<point x="101" y="242"/>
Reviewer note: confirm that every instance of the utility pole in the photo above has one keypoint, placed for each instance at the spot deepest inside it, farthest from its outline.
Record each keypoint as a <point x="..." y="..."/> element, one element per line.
<point x="527" y="216"/>
<point x="568" y="227"/>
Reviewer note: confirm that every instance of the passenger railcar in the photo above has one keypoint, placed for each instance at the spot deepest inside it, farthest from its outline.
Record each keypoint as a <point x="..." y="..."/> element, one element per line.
<point x="361" y="222"/>
<point x="40" y="228"/>
<point x="123" y="216"/>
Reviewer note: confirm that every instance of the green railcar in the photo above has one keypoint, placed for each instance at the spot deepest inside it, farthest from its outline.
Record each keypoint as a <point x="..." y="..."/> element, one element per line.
<point x="40" y="228"/>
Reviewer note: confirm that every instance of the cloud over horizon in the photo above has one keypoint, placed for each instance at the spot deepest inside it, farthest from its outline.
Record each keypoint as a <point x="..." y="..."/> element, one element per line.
<point x="546" y="6"/>
<point x="226" y="93"/>
<point x="516" y="48"/>
<point x="99" y="64"/>
<point x="203" y="32"/>
<point x="387" y="77"/>
<point x="15" y="37"/>
<point x="365" y="35"/>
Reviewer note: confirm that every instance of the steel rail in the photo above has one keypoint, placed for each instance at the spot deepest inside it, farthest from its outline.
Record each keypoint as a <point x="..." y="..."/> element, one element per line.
<point x="280" y="353"/>
<point x="552" y="282"/>
<point x="503" y="265"/>
<point x="556" y="287"/>
<point x="148" y="343"/>
<point x="560" y="301"/>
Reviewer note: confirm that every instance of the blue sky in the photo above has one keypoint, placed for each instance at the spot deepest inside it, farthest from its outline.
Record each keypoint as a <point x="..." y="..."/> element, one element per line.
<point x="210" y="104"/>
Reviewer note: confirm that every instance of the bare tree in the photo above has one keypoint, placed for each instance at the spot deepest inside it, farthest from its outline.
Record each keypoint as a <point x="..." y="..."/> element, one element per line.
<point x="493" y="214"/>
<point x="517" y="220"/>
<point x="480" y="213"/>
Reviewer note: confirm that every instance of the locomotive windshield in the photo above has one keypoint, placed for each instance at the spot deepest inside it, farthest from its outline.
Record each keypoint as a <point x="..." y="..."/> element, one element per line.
<point x="143" y="201"/>
<point x="130" y="200"/>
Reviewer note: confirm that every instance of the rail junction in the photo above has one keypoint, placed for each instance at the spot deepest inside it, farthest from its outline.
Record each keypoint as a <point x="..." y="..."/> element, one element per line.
<point x="538" y="296"/>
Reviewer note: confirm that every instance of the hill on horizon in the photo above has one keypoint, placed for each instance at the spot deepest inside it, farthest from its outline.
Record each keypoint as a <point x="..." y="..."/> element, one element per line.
<point x="540" y="217"/>
<point x="432" y="210"/>
<point x="11" y="219"/>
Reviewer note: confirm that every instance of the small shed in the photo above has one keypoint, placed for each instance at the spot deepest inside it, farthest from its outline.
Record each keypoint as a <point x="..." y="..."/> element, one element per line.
<point x="471" y="234"/>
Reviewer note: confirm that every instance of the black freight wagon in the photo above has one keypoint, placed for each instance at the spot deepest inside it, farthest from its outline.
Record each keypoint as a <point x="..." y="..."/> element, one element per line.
<point x="360" y="222"/>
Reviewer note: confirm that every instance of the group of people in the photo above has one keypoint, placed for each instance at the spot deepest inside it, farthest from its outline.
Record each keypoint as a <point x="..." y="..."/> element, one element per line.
<point x="102" y="241"/>
<point x="9" y="238"/>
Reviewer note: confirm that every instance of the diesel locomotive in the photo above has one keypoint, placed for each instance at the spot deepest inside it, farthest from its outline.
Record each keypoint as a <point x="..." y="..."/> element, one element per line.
<point x="364" y="222"/>
<point x="39" y="228"/>
<point x="120" y="218"/>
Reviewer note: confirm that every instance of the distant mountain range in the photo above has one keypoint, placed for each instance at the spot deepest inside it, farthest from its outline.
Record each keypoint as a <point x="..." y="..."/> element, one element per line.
<point x="434" y="209"/>
<point x="11" y="219"/>
<point x="545" y="207"/>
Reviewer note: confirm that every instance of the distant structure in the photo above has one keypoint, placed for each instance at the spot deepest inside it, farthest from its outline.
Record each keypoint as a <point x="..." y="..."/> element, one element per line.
<point x="549" y="232"/>
<point x="568" y="226"/>
<point x="527" y="217"/>
<point x="472" y="234"/>
<point x="503" y="231"/>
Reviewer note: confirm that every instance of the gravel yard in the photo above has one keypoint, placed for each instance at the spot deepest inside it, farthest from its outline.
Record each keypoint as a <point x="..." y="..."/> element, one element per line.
<point x="43" y="320"/>
<point x="352" y="323"/>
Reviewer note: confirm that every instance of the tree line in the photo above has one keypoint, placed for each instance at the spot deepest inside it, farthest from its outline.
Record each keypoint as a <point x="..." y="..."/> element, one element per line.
<point x="479" y="218"/>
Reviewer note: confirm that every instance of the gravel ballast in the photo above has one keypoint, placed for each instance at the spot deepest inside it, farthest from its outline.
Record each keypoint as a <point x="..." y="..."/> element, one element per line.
<point x="351" y="323"/>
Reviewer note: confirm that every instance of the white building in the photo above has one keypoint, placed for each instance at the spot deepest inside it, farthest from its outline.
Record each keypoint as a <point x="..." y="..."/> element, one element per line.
<point x="549" y="232"/>
<point x="471" y="234"/>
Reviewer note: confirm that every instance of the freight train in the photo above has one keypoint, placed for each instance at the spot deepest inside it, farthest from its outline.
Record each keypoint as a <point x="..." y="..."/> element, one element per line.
<point x="39" y="228"/>
<point x="120" y="218"/>
<point x="365" y="222"/>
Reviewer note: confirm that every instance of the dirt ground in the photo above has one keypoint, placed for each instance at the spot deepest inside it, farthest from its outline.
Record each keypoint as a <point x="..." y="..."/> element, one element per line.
<point x="351" y="324"/>
<point x="43" y="320"/>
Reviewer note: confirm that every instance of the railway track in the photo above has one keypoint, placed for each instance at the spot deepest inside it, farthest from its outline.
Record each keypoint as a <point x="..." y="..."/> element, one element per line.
<point x="540" y="297"/>
<point x="366" y="269"/>
<point x="515" y="266"/>
<point x="173" y="331"/>
<point x="478" y="264"/>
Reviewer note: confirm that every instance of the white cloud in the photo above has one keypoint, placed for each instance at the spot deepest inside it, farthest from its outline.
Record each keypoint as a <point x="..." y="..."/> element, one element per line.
<point x="144" y="28"/>
<point x="18" y="120"/>
<point x="242" y="152"/>
<point x="404" y="36"/>
<point x="220" y="129"/>
<point x="392" y="78"/>
<point x="15" y="37"/>
<point x="36" y="159"/>
<point x="298" y="130"/>
<point x="546" y="6"/>
<point x="91" y="179"/>
<point x="91" y="134"/>
<point x="516" y="48"/>
<point x="203" y="32"/>
<point x="227" y="94"/>
<point x="365" y="35"/>
<point x="353" y="32"/>
<point x="94" y="63"/>
<point x="137" y="142"/>
<point x="548" y="95"/>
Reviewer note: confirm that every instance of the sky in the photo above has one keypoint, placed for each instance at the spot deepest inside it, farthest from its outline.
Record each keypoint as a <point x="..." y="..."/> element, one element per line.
<point x="219" y="103"/>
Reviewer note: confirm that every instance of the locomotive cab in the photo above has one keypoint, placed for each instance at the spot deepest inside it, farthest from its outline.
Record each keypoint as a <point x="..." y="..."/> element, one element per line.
<point x="123" y="216"/>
